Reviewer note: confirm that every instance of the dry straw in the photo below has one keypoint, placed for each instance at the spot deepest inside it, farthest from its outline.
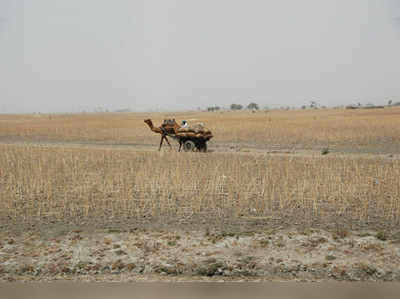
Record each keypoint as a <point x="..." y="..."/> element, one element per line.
<point x="74" y="183"/>
<point x="85" y="184"/>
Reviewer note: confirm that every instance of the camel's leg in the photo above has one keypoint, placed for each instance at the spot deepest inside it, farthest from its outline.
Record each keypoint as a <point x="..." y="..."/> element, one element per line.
<point x="162" y="139"/>
<point x="168" y="141"/>
<point x="180" y="145"/>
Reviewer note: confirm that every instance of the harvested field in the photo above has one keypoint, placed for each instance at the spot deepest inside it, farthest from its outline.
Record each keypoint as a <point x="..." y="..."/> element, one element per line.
<point x="365" y="131"/>
<point x="41" y="185"/>
<point x="336" y="171"/>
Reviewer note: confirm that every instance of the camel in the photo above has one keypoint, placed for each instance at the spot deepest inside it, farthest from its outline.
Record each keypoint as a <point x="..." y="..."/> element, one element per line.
<point x="168" y="127"/>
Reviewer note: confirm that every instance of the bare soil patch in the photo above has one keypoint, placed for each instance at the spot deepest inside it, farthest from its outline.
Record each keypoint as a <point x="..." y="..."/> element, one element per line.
<point x="148" y="255"/>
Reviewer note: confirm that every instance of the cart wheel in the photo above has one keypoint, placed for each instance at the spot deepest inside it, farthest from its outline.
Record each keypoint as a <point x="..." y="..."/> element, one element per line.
<point x="203" y="147"/>
<point x="189" y="146"/>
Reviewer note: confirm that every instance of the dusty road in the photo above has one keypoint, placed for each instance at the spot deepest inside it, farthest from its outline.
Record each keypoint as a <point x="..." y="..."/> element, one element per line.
<point x="236" y="149"/>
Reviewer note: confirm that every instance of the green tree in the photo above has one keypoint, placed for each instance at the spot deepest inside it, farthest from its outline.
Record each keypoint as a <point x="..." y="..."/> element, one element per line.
<point x="252" y="106"/>
<point x="214" y="108"/>
<point x="236" y="107"/>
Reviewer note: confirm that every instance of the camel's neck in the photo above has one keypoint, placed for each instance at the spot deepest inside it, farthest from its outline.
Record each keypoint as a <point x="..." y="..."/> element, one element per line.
<point x="151" y="126"/>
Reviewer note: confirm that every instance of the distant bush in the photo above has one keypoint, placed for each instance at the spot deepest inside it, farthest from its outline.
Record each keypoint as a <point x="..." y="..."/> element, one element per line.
<point x="212" y="109"/>
<point x="252" y="106"/>
<point x="373" y="107"/>
<point x="325" y="151"/>
<point x="236" y="107"/>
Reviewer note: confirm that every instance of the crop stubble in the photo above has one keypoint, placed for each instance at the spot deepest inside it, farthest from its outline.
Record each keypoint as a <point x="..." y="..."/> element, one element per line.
<point x="80" y="185"/>
<point x="84" y="185"/>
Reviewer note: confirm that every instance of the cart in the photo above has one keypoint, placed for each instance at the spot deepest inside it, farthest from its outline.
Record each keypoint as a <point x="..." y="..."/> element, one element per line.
<point x="193" y="138"/>
<point x="192" y="142"/>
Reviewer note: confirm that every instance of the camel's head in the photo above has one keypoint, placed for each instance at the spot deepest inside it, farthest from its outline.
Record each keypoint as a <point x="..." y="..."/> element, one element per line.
<point x="149" y="123"/>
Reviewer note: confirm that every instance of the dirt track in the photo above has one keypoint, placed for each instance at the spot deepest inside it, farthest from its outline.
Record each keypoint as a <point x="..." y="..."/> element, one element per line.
<point x="236" y="149"/>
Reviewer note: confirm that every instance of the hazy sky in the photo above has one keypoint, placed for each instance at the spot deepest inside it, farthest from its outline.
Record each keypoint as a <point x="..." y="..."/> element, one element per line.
<point x="77" y="55"/>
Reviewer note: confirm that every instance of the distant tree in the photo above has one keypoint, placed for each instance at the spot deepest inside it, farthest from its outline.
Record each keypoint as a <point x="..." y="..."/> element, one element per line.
<point x="314" y="105"/>
<point x="252" y="106"/>
<point x="390" y="102"/>
<point x="214" y="108"/>
<point x="123" y="110"/>
<point x="236" y="107"/>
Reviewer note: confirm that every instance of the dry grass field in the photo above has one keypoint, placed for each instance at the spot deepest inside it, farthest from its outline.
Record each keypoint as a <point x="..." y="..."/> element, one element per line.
<point x="375" y="130"/>
<point x="285" y="194"/>
<point x="264" y="168"/>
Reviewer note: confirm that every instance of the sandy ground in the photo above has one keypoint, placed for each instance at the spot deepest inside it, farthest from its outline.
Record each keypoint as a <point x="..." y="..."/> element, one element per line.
<point x="109" y="255"/>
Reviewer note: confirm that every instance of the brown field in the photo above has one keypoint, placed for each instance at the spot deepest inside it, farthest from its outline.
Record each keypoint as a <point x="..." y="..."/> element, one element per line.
<point x="375" y="131"/>
<point x="280" y="195"/>
<point x="263" y="169"/>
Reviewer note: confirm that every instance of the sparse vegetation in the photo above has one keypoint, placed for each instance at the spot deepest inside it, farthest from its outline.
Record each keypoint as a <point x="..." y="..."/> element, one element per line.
<point x="211" y="267"/>
<point x="330" y="257"/>
<point x="264" y="173"/>
<point x="325" y="151"/>
<point x="344" y="130"/>
<point x="264" y="243"/>
<point x="60" y="184"/>
<point x="382" y="235"/>
<point x="53" y="184"/>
